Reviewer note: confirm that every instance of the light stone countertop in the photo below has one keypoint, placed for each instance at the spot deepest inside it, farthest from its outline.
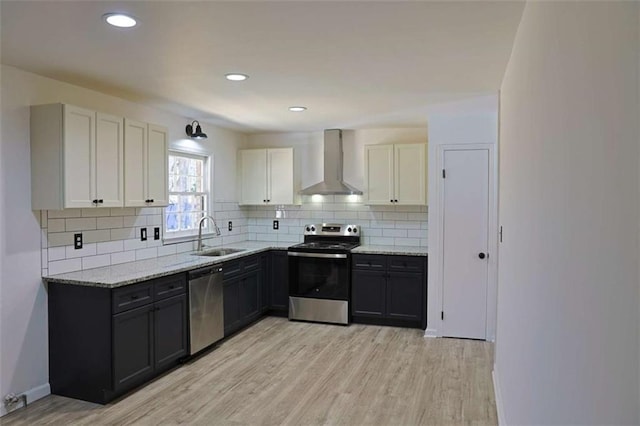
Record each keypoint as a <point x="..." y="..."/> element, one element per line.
<point x="393" y="250"/>
<point x="142" y="270"/>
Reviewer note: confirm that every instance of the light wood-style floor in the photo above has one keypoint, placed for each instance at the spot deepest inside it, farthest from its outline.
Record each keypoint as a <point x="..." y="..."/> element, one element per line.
<point x="280" y="372"/>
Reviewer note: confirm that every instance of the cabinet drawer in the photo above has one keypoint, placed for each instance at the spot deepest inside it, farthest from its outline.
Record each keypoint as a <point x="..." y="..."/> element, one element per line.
<point x="231" y="269"/>
<point x="369" y="261"/>
<point x="407" y="263"/>
<point x="132" y="296"/>
<point x="250" y="263"/>
<point x="169" y="286"/>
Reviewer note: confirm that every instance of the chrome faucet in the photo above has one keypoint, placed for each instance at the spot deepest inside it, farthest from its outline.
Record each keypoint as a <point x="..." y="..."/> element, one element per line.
<point x="200" y="222"/>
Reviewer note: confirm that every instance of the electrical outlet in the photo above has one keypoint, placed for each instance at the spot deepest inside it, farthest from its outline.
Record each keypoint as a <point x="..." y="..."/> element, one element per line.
<point x="77" y="241"/>
<point x="143" y="234"/>
<point x="276" y="225"/>
<point x="230" y="226"/>
<point x="156" y="233"/>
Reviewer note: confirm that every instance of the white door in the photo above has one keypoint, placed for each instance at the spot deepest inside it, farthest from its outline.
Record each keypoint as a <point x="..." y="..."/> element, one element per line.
<point x="253" y="176"/>
<point x="379" y="174"/>
<point x="109" y="159"/>
<point x="410" y="174"/>
<point x="135" y="143"/>
<point x="157" y="166"/>
<point x="465" y="263"/>
<point x="280" y="176"/>
<point x="79" y="157"/>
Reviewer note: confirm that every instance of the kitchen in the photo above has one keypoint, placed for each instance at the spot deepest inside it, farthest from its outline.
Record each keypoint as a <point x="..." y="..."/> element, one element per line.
<point x="24" y="335"/>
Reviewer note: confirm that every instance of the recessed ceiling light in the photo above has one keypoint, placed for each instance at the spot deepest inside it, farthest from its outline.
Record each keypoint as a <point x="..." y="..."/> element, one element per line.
<point x="120" y="20"/>
<point x="297" y="108"/>
<point x="236" y="76"/>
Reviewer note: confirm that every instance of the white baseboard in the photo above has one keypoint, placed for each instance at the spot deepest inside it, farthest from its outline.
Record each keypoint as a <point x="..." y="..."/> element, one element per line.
<point x="498" y="397"/>
<point x="32" y="396"/>
<point x="431" y="332"/>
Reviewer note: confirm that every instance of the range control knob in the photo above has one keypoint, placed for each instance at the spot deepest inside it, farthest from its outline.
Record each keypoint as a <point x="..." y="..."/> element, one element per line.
<point x="313" y="229"/>
<point x="355" y="230"/>
<point x="308" y="229"/>
<point x="349" y="229"/>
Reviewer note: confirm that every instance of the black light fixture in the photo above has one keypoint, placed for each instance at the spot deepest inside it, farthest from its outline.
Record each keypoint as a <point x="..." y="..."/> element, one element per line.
<point x="197" y="133"/>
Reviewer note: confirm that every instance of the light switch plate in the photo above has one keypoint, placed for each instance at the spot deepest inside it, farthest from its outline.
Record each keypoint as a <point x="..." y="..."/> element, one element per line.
<point x="276" y="225"/>
<point x="77" y="241"/>
<point x="143" y="234"/>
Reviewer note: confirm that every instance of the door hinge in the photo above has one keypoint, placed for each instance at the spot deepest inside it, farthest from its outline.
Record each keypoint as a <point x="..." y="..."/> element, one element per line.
<point x="444" y="175"/>
<point x="442" y="315"/>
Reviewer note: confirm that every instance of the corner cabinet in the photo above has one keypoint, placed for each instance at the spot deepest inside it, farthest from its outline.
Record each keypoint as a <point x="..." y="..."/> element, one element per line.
<point x="145" y="164"/>
<point x="76" y="158"/>
<point x="104" y="342"/>
<point x="266" y="177"/>
<point x="396" y="174"/>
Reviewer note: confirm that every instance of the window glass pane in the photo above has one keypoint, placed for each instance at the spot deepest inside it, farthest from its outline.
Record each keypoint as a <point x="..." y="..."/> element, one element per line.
<point x="187" y="194"/>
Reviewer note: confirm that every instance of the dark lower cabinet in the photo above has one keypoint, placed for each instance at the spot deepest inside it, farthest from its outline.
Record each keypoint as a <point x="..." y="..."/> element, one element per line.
<point x="368" y="293"/>
<point x="389" y="290"/>
<point x="104" y="342"/>
<point x="133" y="347"/>
<point x="243" y="290"/>
<point x="170" y="331"/>
<point x="279" y="282"/>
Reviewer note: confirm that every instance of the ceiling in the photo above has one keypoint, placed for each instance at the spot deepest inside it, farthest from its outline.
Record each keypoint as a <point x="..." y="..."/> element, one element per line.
<point x="353" y="64"/>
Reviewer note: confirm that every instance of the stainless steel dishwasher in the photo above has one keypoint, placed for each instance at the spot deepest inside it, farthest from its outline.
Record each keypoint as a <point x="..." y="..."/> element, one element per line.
<point x="206" y="308"/>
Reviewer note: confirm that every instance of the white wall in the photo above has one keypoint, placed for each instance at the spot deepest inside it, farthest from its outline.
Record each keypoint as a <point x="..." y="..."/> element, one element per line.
<point x="23" y="306"/>
<point x="567" y="340"/>
<point x="467" y="122"/>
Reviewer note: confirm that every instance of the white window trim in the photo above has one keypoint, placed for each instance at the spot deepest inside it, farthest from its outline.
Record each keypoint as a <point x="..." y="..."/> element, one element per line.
<point x="207" y="230"/>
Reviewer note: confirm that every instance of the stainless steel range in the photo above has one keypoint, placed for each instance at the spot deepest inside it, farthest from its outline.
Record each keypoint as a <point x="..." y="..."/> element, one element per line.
<point x="320" y="273"/>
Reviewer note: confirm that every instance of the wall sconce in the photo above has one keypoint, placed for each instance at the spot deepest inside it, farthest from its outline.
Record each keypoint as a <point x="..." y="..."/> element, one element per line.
<point x="197" y="133"/>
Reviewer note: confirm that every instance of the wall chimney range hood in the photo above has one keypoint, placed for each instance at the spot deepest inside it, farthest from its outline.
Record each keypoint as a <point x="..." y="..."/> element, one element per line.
<point x="333" y="156"/>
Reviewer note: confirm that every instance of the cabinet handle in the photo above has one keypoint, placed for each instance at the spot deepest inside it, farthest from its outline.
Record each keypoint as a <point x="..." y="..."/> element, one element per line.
<point x="268" y="201"/>
<point x="151" y="200"/>
<point x="395" y="201"/>
<point x="94" y="201"/>
<point x="101" y="201"/>
<point x="391" y="201"/>
<point x="264" y="201"/>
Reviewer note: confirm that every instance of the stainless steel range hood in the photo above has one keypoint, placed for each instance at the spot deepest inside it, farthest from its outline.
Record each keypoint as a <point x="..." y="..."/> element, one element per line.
<point x="332" y="183"/>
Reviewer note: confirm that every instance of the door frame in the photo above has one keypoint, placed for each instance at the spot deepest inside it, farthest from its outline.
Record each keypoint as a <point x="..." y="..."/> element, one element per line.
<point x="436" y="278"/>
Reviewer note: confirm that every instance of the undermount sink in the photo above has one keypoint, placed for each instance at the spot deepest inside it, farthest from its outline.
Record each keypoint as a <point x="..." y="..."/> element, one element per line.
<point x="217" y="252"/>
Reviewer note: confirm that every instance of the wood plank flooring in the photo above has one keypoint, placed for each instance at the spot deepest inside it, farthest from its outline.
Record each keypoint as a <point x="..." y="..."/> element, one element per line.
<point x="280" y="372"/>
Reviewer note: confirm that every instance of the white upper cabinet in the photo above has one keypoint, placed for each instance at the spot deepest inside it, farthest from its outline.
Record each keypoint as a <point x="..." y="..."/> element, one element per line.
<point x="145" y="166"/>
<point x="76" y="158"/>
<point x="396" y="174"/>
<point x="266" y="176"/>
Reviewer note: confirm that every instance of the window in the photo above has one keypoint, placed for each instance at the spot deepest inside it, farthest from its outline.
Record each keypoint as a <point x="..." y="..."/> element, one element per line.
<point x="188" y="194"/>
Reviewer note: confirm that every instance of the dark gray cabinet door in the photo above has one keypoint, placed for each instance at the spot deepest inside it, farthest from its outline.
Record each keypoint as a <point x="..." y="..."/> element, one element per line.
<point x="249" y="297"/>
<point x="405" y="297"/>
<point x="133" y="347"/>
<point x="231" y="297"/>
<point x="368" y="293"/>
<point x="279" y="281"/>
<point x="170" y="331"/>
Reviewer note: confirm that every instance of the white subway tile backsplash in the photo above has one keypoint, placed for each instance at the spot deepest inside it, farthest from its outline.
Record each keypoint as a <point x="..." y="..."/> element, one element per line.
<point x="109" y="222"/>
<point x="56" y="225"/>
<point x="96" y="236"/>
<point x="95" y="212"/>
<point x="127" y="211"/>
<point x="112" y="236"/>
<point x="86" y="250"/>
<point x="64" y="266"/>
<point x="56" y="253"/>
<point x="147" y="253"/>
<point x="131" y="221"/>
<point x="96" y="261"/>
<point x="134" y="245"/>
<point x="110" y="247"/>
<point x="80" y="224"/>
<point x="123" y="233"/>
<point x="62" y="214"/>
<point x="123" y="257"/>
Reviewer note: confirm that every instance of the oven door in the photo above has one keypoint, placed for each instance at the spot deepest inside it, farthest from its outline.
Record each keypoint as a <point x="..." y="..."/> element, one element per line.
<point x="319" y="275"/>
